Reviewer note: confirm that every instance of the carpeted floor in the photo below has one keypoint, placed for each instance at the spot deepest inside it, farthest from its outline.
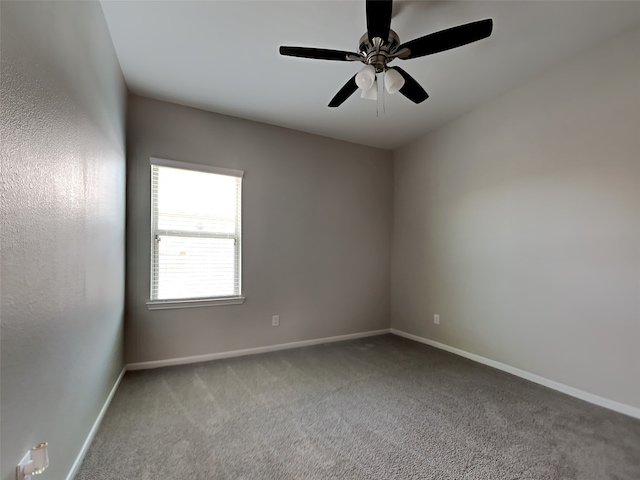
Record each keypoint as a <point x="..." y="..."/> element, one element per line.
<point x="375" y="408"/>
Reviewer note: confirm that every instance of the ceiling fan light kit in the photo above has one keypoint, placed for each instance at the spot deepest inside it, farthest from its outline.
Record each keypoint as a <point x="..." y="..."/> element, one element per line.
<point x="366" y="77"/>
<point x="380" y="45"/>
<point x="393" y="81"/>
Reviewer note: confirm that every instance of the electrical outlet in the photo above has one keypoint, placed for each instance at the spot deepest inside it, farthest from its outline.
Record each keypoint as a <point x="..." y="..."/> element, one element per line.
<point x="436" y="319"/>
<point x="275" y="321"/>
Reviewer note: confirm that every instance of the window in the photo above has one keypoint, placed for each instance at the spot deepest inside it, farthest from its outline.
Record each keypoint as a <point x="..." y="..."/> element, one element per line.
<point x="195" y="235"/>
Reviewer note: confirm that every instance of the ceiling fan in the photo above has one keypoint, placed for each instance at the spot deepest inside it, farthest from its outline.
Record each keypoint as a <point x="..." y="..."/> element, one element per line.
<point x="380" y="45"/>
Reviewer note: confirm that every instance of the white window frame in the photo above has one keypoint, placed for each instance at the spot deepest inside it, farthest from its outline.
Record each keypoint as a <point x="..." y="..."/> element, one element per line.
<point x="200" y="302"/>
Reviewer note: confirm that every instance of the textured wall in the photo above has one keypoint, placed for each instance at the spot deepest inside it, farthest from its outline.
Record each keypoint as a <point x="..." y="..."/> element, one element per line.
<point x="519" y="223"/>
<point x="316" y="233"/>
<point x="63" y="185"/>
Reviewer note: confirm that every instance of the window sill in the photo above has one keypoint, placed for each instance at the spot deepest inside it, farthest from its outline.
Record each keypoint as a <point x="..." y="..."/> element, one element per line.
<point x="207" y="302"/>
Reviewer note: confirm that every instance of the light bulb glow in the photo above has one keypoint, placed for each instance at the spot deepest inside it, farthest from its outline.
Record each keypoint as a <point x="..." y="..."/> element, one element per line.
<point x="365" y="77"/>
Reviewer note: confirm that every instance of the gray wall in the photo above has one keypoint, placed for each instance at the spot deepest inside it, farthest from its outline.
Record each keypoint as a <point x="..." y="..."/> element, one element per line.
<point x="316" y="233"/>
<point x="63" y="185"/>
<point x="519" y="223"/>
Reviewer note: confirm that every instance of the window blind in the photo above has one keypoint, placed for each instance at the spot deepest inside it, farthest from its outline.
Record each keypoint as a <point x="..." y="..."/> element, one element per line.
<point x="196" y="231"/>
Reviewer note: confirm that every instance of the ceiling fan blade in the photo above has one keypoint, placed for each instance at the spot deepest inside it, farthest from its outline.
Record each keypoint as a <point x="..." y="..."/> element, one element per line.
<point x="447" y="39"/>
<point x="318" y="53"/>
<point x="411" y="89"/>
<point x="345" y="92"/>
<point x="379" y="18"/>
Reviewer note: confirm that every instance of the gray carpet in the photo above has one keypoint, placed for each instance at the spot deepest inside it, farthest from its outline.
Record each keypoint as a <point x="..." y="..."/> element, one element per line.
<point x="376" y="408"/>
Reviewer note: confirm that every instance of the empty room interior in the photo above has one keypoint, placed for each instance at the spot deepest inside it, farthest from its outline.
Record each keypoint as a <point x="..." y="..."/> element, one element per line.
<point x="221" y="261"/>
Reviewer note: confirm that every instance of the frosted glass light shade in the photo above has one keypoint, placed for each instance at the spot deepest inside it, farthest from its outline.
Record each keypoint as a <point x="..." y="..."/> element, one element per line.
<point x="371" y="93"/>
<point x="393" y="81"/>
<point x="365" y="77"/>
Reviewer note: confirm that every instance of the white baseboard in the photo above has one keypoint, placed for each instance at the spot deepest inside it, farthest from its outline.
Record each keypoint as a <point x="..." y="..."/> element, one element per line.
<point x="560" y="387"/>
<point x="251" y="351"/>
<point x="574" y="392"/>
<point x="94" y="429"/>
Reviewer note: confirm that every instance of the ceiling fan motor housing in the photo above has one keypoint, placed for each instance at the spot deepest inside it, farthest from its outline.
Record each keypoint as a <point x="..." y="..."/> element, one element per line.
<point x="379" y="56"/>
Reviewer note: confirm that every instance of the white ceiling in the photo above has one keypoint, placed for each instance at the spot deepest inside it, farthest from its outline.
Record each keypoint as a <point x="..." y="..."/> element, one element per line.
<point x="223" y="56"/>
